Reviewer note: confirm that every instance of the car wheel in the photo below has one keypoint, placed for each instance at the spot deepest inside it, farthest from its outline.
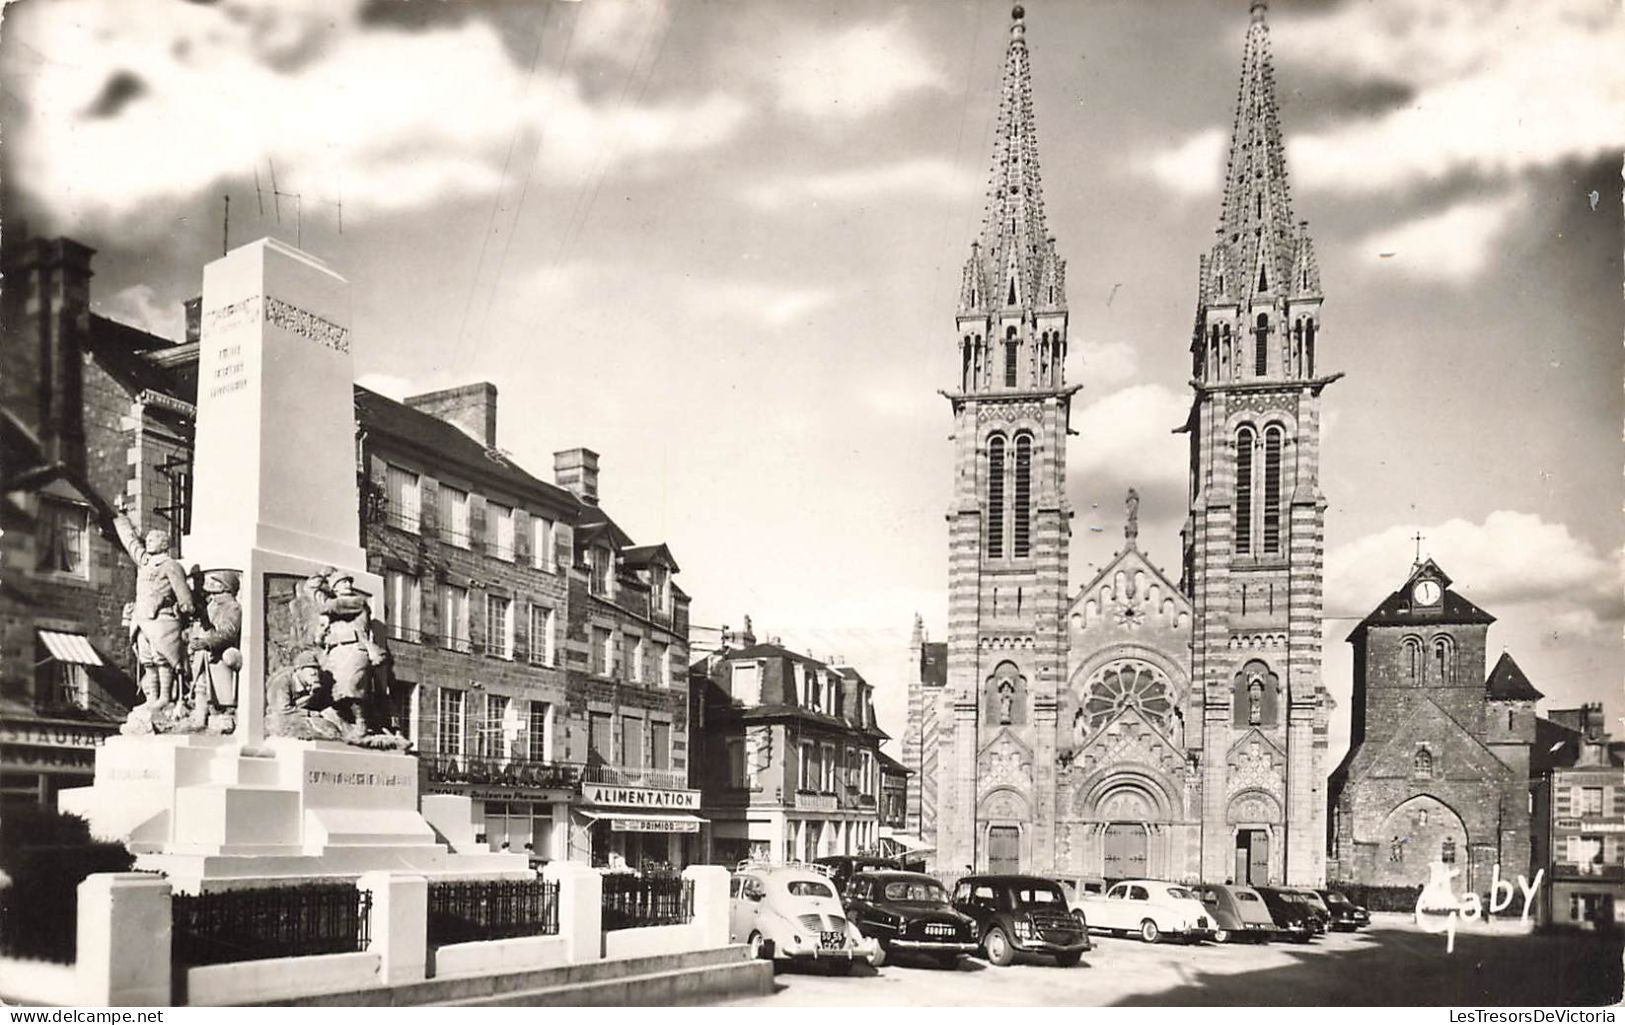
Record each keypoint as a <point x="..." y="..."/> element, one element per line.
<point x="997" y="947"/>
<point x="1083" y="922"/>
<point x="1148" y="931"/>
<point x="948" y="961"/>
<point x="1221" y="936"/>
<point x="755" y="946"/>
<point x="1068" y="960"/>
<point x="882" y="955"/>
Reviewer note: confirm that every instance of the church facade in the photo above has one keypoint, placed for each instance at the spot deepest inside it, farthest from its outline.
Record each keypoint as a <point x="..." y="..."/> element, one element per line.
<point x="1140" y="726"/>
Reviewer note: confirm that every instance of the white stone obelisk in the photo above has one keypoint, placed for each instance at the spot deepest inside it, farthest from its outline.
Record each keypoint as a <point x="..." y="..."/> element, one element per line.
<point x="274" y="475"/>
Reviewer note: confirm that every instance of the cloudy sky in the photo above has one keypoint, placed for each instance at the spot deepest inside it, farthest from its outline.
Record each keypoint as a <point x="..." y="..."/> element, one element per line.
<point x="720" y="244"/>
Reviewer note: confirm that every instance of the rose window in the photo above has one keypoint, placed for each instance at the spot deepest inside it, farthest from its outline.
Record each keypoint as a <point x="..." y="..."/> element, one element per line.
<point x="1129" y="685"/>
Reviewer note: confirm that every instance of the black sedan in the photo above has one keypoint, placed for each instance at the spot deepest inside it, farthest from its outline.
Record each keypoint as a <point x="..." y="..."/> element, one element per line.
<point x="1294" y="917"/>
<point x="1022" y="915"/>
<point x="1346" y="915"/>
<point x="842" y="867"/>
<point x="907" y="911"/>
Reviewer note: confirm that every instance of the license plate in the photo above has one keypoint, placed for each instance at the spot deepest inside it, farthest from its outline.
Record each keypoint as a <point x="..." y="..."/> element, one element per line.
<point x="939" y="930"/>
<point x="833" y="940"/>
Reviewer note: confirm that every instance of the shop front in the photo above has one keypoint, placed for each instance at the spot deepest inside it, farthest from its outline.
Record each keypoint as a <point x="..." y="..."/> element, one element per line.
<point x="639" y="828"/>
<point x="511" y="814"/>
<point x="41" y="755"/>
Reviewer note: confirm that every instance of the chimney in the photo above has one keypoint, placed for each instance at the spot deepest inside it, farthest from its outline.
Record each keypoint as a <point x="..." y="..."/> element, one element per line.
<point x="472" y="407"/>
<point x="576" y="470"/>
<point x="46" y="323"/>
<point x="194" y="318"/>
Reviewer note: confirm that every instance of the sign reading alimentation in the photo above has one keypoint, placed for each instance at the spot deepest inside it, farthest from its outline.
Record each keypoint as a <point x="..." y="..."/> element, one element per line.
<point x="638" y="797"/>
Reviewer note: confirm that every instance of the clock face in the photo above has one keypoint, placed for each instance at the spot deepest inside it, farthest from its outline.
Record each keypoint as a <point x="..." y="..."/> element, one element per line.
<point x="1426" y="592"/>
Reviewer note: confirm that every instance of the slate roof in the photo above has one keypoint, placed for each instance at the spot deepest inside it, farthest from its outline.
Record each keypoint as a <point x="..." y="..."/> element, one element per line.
<point x="1508" y="683"/>
<point x="1396" y="609"/>
<point x="639" y="556"/>
<point x="890" y="764"/>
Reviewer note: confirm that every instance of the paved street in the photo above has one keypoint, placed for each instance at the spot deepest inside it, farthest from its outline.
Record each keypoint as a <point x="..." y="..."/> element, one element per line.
<point x="1392" y="963"/>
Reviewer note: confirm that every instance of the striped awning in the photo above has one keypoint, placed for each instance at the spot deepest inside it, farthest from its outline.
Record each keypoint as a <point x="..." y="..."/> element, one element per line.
<point x="74" y="648"/>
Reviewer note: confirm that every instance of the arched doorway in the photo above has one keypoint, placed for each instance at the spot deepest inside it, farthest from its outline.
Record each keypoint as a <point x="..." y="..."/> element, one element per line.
<point x="1126" y="839"/>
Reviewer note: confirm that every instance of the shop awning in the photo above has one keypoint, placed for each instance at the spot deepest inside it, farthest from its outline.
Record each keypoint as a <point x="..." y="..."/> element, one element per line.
<point x="74" y="648"/>
<point x="646" y="822"/>
<point x="909" y="844"/>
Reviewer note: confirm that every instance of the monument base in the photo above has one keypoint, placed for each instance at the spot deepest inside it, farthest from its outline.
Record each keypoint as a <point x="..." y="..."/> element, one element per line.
<point x="210" y="814"/>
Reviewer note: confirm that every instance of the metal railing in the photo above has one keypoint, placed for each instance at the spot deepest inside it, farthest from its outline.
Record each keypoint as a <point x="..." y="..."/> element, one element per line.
<point x="286" y="921"/>
<point x="637" y="776"/>
<point x="519" y="772"/>
<point x="464" y="911"/>
<point x="632" y="902"/>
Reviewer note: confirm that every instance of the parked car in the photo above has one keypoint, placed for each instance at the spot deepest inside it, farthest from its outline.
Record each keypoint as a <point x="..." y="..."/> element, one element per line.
<point x="1151" y="908"/>
<point x="1346" y="915"/>
<point x="908" y="911"/>
<point x="1294" y="918"/>
<point x="1238" y="912"/>
<point x="793" y="914"/>
<point x="1017" y="914"/>
<point x="842" y="867"/>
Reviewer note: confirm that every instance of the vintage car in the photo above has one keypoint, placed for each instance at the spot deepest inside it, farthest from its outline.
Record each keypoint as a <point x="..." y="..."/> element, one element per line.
<point x="1021" y="915"/>
<point x="1238" y="912"/>
<point x="791" y="913"/>
<point x="1151" y="908"/>
<point x="909" y="912"/>
<point x="1347" y="916"/>
<point x="842" y="867"/>
<point x="1294" y="917"/>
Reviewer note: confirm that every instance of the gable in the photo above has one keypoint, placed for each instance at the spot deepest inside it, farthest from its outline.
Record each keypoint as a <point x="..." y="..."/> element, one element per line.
<point x="1129" y="739"/>
<point x="1455" y="751"/>
<point x="1129" y="595"/>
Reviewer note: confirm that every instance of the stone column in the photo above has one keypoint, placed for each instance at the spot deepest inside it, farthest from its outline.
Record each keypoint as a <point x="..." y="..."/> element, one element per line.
<point x="710" y="903"/>
<point x="581" y="908"/>
<point x="123" y="948"/>
<point x="400" y="925"/>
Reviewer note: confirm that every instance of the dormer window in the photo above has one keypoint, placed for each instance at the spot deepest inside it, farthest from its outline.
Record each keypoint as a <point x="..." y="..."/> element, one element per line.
<point x="659" y="589"/>
<point x="601" y="570"/>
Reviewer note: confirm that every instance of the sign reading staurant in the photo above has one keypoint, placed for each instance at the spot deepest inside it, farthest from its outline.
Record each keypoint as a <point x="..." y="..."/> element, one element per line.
<point x="638" y="797"/>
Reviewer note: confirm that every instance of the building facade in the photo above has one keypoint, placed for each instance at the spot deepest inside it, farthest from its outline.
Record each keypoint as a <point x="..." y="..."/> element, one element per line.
<point x="1577" y="793"/>
<point x="1140" y="725"/>
<point x="788" y="755"/>
<point x="1439" y="756"/>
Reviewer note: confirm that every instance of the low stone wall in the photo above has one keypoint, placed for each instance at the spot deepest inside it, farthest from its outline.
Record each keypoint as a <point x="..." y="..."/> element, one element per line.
<point x="652" y="940"/>
<point x="489" y="957"/>
<point x="38" y="982"/>
<point x="280" y="978"/>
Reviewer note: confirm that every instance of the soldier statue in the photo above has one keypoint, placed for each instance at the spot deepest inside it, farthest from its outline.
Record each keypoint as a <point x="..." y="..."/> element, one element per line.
<point x="295" y="697"/>
<point x="216" y="659"/>
<point x="163" y="605"/>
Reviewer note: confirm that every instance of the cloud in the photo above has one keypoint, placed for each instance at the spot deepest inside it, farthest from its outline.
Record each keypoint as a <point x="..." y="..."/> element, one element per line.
<point x="927" y="178"/>
<point x="1106" y="364"/>
<point x="768" y="303"/>
<point x="772" y="305"/>
<point x="853" y="72"/>
<point x="139" y="306"/>
<point x="123" y="114"/>
<point x="388" y="385"/>
<point x="1489" y="89"/>
<point x="1510" y="559"/>
<point x="1452" y="245"/>
<point x="1128" y="436"/>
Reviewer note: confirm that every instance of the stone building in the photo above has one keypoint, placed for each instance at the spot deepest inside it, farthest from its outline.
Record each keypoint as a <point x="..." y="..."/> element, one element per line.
<point x="1577" y="791"/>
<point x="1439" y="753"/>
<point x="1139" y="725"/>
<point x="787" y="758"/>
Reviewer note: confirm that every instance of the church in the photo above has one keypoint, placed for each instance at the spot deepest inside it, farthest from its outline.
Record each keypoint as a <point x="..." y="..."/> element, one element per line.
<point x="1139" y="726"/>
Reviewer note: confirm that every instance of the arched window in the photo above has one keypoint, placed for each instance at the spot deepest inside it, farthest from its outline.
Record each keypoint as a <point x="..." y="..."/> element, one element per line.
<point x="1010" y="358"/>
<point x="1447" y="850"/>
<point x="1213" y="353"/>
<point x="1272" y="490"/>
<point x="1224" y="353"/>
<point x="1244" y="491"/>
<point x="1024" y="494"/>
<point x="1422" y="764"/>
<point x="1442" y="660"/>
<point x="1261" y="346"/>
<point x="1512" y="722"/>
<point x="965" y="370"/>
<point x="995" y="497"/>
<point x="1413" y="657"/>
<point x="1309" y="348"/>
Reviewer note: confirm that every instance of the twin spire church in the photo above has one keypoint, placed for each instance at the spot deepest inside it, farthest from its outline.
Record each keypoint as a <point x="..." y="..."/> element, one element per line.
<point x="1140" y="726"/>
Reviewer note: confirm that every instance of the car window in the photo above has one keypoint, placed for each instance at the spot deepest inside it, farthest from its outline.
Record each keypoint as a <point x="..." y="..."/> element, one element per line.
<point x="1138" y="893"/>
<point x="983" y="895"/>
<point x="962" y="893"/>
<point x="1244" y="895"/>
<point x="809" y="888"/>
<point x="752" y="887"/>
<point x="917" y="890"/>
<point x="1037" y="895"/>
<point x="1117" y="892"/>
<point x="1179" y="893"/>
<point x="733" y="887"/>
<point x="1210" y="897"/>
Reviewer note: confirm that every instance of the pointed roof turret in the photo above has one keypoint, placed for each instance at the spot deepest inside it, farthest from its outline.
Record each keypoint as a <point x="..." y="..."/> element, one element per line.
<point x="1508" y="683"/>
<point x="1013" y="263"/>
<point x="1259" y="240"/>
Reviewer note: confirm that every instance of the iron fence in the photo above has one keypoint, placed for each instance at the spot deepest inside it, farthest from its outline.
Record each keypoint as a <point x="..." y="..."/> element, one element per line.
<point x="464" y="911"/>
<point x="631" y="901"/>
<point x="285" y="921"/>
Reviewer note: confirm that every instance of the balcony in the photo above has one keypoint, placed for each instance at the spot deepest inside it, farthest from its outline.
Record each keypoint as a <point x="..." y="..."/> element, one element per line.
<point x="514" y="772"/>
<point x="633" y="776"/>
<point x="1587" y="870"/>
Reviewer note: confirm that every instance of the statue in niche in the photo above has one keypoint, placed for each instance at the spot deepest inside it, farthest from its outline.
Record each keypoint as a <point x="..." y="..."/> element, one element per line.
<point x="1131" y="529"/>
<point x="1007" y="697"/>
<point x="1255" y="701"/>
<point x="158" y="618"/>
<point x="216" y="659"/>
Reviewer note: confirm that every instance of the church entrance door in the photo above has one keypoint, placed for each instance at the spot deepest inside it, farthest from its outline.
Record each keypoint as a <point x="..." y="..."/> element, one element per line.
<point x="1003" y="849"/>
<point x="1125" y="850"/>
<point x="1252" y="857"/>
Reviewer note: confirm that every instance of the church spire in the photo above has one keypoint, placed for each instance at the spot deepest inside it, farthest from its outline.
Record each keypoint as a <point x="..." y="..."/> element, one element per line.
<point x="1013" y="264"/>
<point x="1256" y="225"/>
